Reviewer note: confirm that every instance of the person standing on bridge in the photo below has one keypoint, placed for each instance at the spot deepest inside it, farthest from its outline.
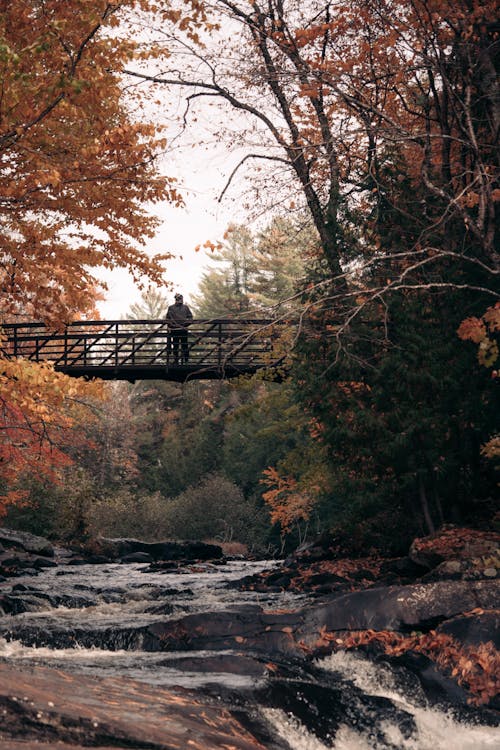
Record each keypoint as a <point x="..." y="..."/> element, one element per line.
<point x="179" y="318"/>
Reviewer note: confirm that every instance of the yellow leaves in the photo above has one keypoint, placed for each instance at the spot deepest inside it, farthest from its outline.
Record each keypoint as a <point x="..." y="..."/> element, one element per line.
<point x="488" y="352"/>
<point x="491" y="449"/>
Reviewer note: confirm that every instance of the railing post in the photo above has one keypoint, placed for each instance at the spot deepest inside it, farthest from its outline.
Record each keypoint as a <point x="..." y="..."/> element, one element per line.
<point x="15" y="342"/>
<point x="116" y="344"/>
<point x="65" y="356"/>
<point x="219" y="353"/>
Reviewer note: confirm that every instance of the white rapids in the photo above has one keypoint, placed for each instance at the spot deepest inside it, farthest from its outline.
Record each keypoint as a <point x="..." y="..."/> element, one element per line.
<point x="123" y="595"/>
<point x="436" y="729"/>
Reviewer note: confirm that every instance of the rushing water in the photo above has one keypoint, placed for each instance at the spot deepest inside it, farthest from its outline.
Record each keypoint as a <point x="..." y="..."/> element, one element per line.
<point x="121" y="596"/>
<point x="126" y="596"/>
<point x="435" y="729"/>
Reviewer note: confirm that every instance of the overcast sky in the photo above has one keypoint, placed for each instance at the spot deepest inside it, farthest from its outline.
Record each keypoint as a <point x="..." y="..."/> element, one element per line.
<point x="201" y="172"/>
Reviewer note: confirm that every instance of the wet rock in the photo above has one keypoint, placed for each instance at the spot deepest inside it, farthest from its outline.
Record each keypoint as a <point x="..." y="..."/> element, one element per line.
<point x="22" y="599"/>
<point x="118" y="548"/>
<point x="437" y="687"/>
<point x="237" y="664"/>
<point x="322" y="709"/>
<point x="160" y="609"/>
<point x="249" y="629"/>
<point x="41" y="707"/>
<point x="474" y="629"/>
<point x="21" y="563"/>
<point x="137" y="557"/>
<point x="43" y="562"/>
<point x="400" y="607"/>
<point x="25" y="541"/>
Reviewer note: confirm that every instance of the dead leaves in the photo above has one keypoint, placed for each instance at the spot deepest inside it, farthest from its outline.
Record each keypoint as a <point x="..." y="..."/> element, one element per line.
<point x="475" y="667"/>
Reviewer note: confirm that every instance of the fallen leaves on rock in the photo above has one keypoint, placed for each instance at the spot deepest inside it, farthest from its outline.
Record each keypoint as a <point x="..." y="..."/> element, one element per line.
<point x="476" y="668"/>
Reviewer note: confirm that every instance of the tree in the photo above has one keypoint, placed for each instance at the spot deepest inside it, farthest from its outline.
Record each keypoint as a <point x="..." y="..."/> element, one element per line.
<point x="76" y="170"/>
<point x="152" y="306"/>
<point x="387" y="115"/>
<point x="257" y="273"/>
<point x="224" y="291"/>
<point x="333" y="94"/>
<point x="41" y="413"/>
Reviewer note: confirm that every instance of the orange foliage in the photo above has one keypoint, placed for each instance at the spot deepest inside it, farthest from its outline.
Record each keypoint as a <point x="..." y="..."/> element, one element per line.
<point x="39" y="410"/>
<point x="455" y="542"/>
<point x="289" y="504"/>
<point x="76" y="169"/>
<point x="481" y="331"/>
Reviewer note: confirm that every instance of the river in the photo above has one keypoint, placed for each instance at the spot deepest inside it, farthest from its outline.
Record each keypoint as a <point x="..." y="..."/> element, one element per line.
<point x="89" y="619"/>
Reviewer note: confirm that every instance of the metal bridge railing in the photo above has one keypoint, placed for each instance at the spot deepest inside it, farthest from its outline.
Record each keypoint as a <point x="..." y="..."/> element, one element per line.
<point x="133" y="349"/>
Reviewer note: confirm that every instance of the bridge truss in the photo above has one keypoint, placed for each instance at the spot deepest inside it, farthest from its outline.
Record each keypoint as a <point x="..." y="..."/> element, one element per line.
<point x="142" y="349"/>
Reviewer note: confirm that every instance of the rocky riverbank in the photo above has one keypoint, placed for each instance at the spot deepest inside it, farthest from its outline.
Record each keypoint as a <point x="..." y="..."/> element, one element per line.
<point x="314" y="624"/>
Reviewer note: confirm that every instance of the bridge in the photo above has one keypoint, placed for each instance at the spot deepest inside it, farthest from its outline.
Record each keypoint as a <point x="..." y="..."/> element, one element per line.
<point x="142" y="349"/>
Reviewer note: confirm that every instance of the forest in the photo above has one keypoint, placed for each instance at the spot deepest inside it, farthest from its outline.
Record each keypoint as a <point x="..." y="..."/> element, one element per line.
<point x="368" y="162"/>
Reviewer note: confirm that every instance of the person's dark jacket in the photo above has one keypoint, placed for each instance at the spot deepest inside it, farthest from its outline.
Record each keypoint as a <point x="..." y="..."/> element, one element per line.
<point x="179" y="316"/>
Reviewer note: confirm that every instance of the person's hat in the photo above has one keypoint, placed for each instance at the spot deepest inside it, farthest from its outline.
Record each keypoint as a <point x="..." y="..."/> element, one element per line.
<point x="178" y="295"/>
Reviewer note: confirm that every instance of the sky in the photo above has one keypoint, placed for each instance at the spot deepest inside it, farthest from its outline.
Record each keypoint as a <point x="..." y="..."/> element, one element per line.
<point x="182" y="229"/>
<point x="201" y="173"/>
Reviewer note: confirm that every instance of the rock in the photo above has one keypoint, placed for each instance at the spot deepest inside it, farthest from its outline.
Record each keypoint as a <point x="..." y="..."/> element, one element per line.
<point x="43" y="562"/>
<point x="474" y="629"/>
<point x="490" y="572"/>
<point x="425" y="558"/>
<point x="28" y="542"/>
<point x="118" y="548"/>
<point x="449" y="567"/>
<point x="436" y="686"/>
<point x="403" y="567"/>
<point x="137" y="557"/>
<point x="400" y="607"/>
<point x="160" y="609"/>
<point x="249" y="629"/>
<point x="41" y="707"/>
<point x="322" y="709"/>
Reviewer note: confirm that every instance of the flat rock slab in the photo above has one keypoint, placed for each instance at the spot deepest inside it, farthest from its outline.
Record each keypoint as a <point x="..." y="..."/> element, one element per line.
<point x="45" y="708"/>
<point x="400" y="607"/>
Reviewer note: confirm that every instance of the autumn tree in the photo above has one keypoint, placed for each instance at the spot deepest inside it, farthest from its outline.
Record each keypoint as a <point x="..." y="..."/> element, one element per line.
<point x="76" y="172"/>
<point x="343" y="98"/>
<point x="385" y="115"/>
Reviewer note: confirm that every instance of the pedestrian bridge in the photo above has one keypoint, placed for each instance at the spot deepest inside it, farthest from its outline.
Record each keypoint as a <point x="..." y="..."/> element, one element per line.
<point x="142" y="349"/>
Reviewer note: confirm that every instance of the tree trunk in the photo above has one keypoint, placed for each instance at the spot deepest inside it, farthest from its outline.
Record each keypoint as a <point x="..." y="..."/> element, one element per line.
<point x="424" y="504"/>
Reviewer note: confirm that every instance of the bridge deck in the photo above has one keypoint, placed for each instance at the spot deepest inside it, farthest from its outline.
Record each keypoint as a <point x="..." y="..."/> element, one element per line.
<point x="142" y="349"/>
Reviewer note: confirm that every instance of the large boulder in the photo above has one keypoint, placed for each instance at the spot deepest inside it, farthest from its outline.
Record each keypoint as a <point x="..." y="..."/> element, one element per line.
<point x="471" y="547"/>
<point x="121" y="549"/>
<point x="421" y="606"/>
<point x="48" y="708"/>
<point x="28" y="542"/>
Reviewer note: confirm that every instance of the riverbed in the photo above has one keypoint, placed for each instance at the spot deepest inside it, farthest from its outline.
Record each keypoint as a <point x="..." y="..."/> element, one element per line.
<point x="90" y="620"/>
